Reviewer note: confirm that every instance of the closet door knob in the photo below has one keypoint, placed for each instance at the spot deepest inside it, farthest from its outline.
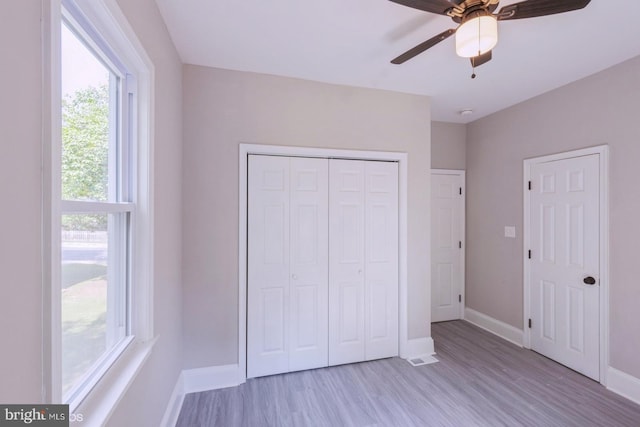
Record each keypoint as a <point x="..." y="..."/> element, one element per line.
<point x="294" y="277"/>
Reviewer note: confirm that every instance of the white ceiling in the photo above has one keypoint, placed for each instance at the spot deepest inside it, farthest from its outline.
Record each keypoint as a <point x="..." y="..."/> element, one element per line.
<point x="351" y="42"/>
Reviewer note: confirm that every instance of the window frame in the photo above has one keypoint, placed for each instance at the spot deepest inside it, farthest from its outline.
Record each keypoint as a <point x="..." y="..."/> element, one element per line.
<point x="110" y="381"/>
<point x="119" y="206"/>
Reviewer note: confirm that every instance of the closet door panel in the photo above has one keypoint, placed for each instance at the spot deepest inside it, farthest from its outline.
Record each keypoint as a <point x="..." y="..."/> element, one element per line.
<point x="346" y="261"/>
<point x="322" y="263"/>
<point x="309" y="264"/>
<point x="381" y="260"/>
<point x="268" y="293"/>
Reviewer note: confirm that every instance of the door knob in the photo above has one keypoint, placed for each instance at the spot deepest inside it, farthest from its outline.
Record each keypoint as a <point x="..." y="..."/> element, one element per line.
<point x="294" y="277"/>
<point x="589" y="280"/>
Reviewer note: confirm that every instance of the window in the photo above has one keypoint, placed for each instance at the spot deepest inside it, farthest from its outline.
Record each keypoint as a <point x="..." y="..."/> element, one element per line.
<point x="100" y="218"/>
<point x="96" y="209"/>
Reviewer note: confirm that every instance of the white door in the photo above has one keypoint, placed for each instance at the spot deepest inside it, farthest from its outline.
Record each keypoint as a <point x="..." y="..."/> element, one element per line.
<point x="447" y="253"/>
<point x="287" y="265"/>
<point x="381" y="260"/>
<point x="363" y="259"/>
<point x="565" y="259"/>
<point x="308" y="326"/>
<point x="346" y="261"/>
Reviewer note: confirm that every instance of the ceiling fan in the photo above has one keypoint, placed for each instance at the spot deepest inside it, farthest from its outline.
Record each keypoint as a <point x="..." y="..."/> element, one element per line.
<point x="477" y="32"/>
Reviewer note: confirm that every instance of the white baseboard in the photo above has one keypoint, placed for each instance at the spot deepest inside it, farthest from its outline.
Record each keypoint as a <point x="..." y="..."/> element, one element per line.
<point x="170" y="418"/>
<point x="623" y="384"/>
<point x="196" y="380"/>
<point x="211" y="378"/>
<point x="419" y="347"/>
<point x="494" y="326"/>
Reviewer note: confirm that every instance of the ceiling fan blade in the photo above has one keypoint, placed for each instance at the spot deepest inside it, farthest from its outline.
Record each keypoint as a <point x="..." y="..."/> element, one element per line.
<point x="422" y="47"/>
<point x="433" y="6"/>
<point x="477" y="61"/>
<point x="535" y="8"/>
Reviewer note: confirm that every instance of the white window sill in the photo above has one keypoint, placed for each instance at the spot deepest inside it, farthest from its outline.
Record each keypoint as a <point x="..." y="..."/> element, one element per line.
<point x="99" y="404"/>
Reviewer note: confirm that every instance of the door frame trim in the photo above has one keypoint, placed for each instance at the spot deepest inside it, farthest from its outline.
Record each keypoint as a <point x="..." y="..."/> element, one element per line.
<point x="274" y="150"/>
<point x="463" y="232"/>
<point x="603" y="152"/>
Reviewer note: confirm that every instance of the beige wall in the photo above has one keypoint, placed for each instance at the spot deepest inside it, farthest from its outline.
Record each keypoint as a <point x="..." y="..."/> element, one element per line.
<point x="448" y="145"/>
<point x="601" y="109"/>
<point x="21" y="188"/>
<point x="146" y="400"/>
<point x="223" y="108"/>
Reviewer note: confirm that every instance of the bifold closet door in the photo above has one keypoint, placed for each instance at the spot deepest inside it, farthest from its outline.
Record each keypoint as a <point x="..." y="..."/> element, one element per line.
<point x="287" y="265"/>
<point x="381" y="260"/>
<point x="363" y="260"/>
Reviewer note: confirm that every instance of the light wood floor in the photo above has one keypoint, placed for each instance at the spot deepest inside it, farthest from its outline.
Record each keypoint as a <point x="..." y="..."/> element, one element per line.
<point x="480" y="380"/>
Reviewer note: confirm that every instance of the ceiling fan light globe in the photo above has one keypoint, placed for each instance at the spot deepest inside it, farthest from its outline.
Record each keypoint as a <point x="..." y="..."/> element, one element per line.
<point x="476" y="36"/>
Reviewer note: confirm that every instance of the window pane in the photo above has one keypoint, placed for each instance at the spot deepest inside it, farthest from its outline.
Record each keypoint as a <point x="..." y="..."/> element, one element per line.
<point x="88" y="124"/>
<point x="93" y="292"/>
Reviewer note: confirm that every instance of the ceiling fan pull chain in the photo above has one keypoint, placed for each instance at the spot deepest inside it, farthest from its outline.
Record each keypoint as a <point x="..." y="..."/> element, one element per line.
<point x="473" y="60"/>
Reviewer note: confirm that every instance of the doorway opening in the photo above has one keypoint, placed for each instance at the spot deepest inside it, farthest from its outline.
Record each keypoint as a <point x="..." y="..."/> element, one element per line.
<point x="406" y="346"/>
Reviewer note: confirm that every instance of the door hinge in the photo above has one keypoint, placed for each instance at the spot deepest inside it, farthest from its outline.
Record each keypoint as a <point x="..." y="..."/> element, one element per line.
<point x="460" y="244"/>
<point x="529" y="253"/>
<point x="529" y="185"/>
<point x="461" y="191"/>
<point x="459" y="297"/>
<point x="529" y="323"/>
